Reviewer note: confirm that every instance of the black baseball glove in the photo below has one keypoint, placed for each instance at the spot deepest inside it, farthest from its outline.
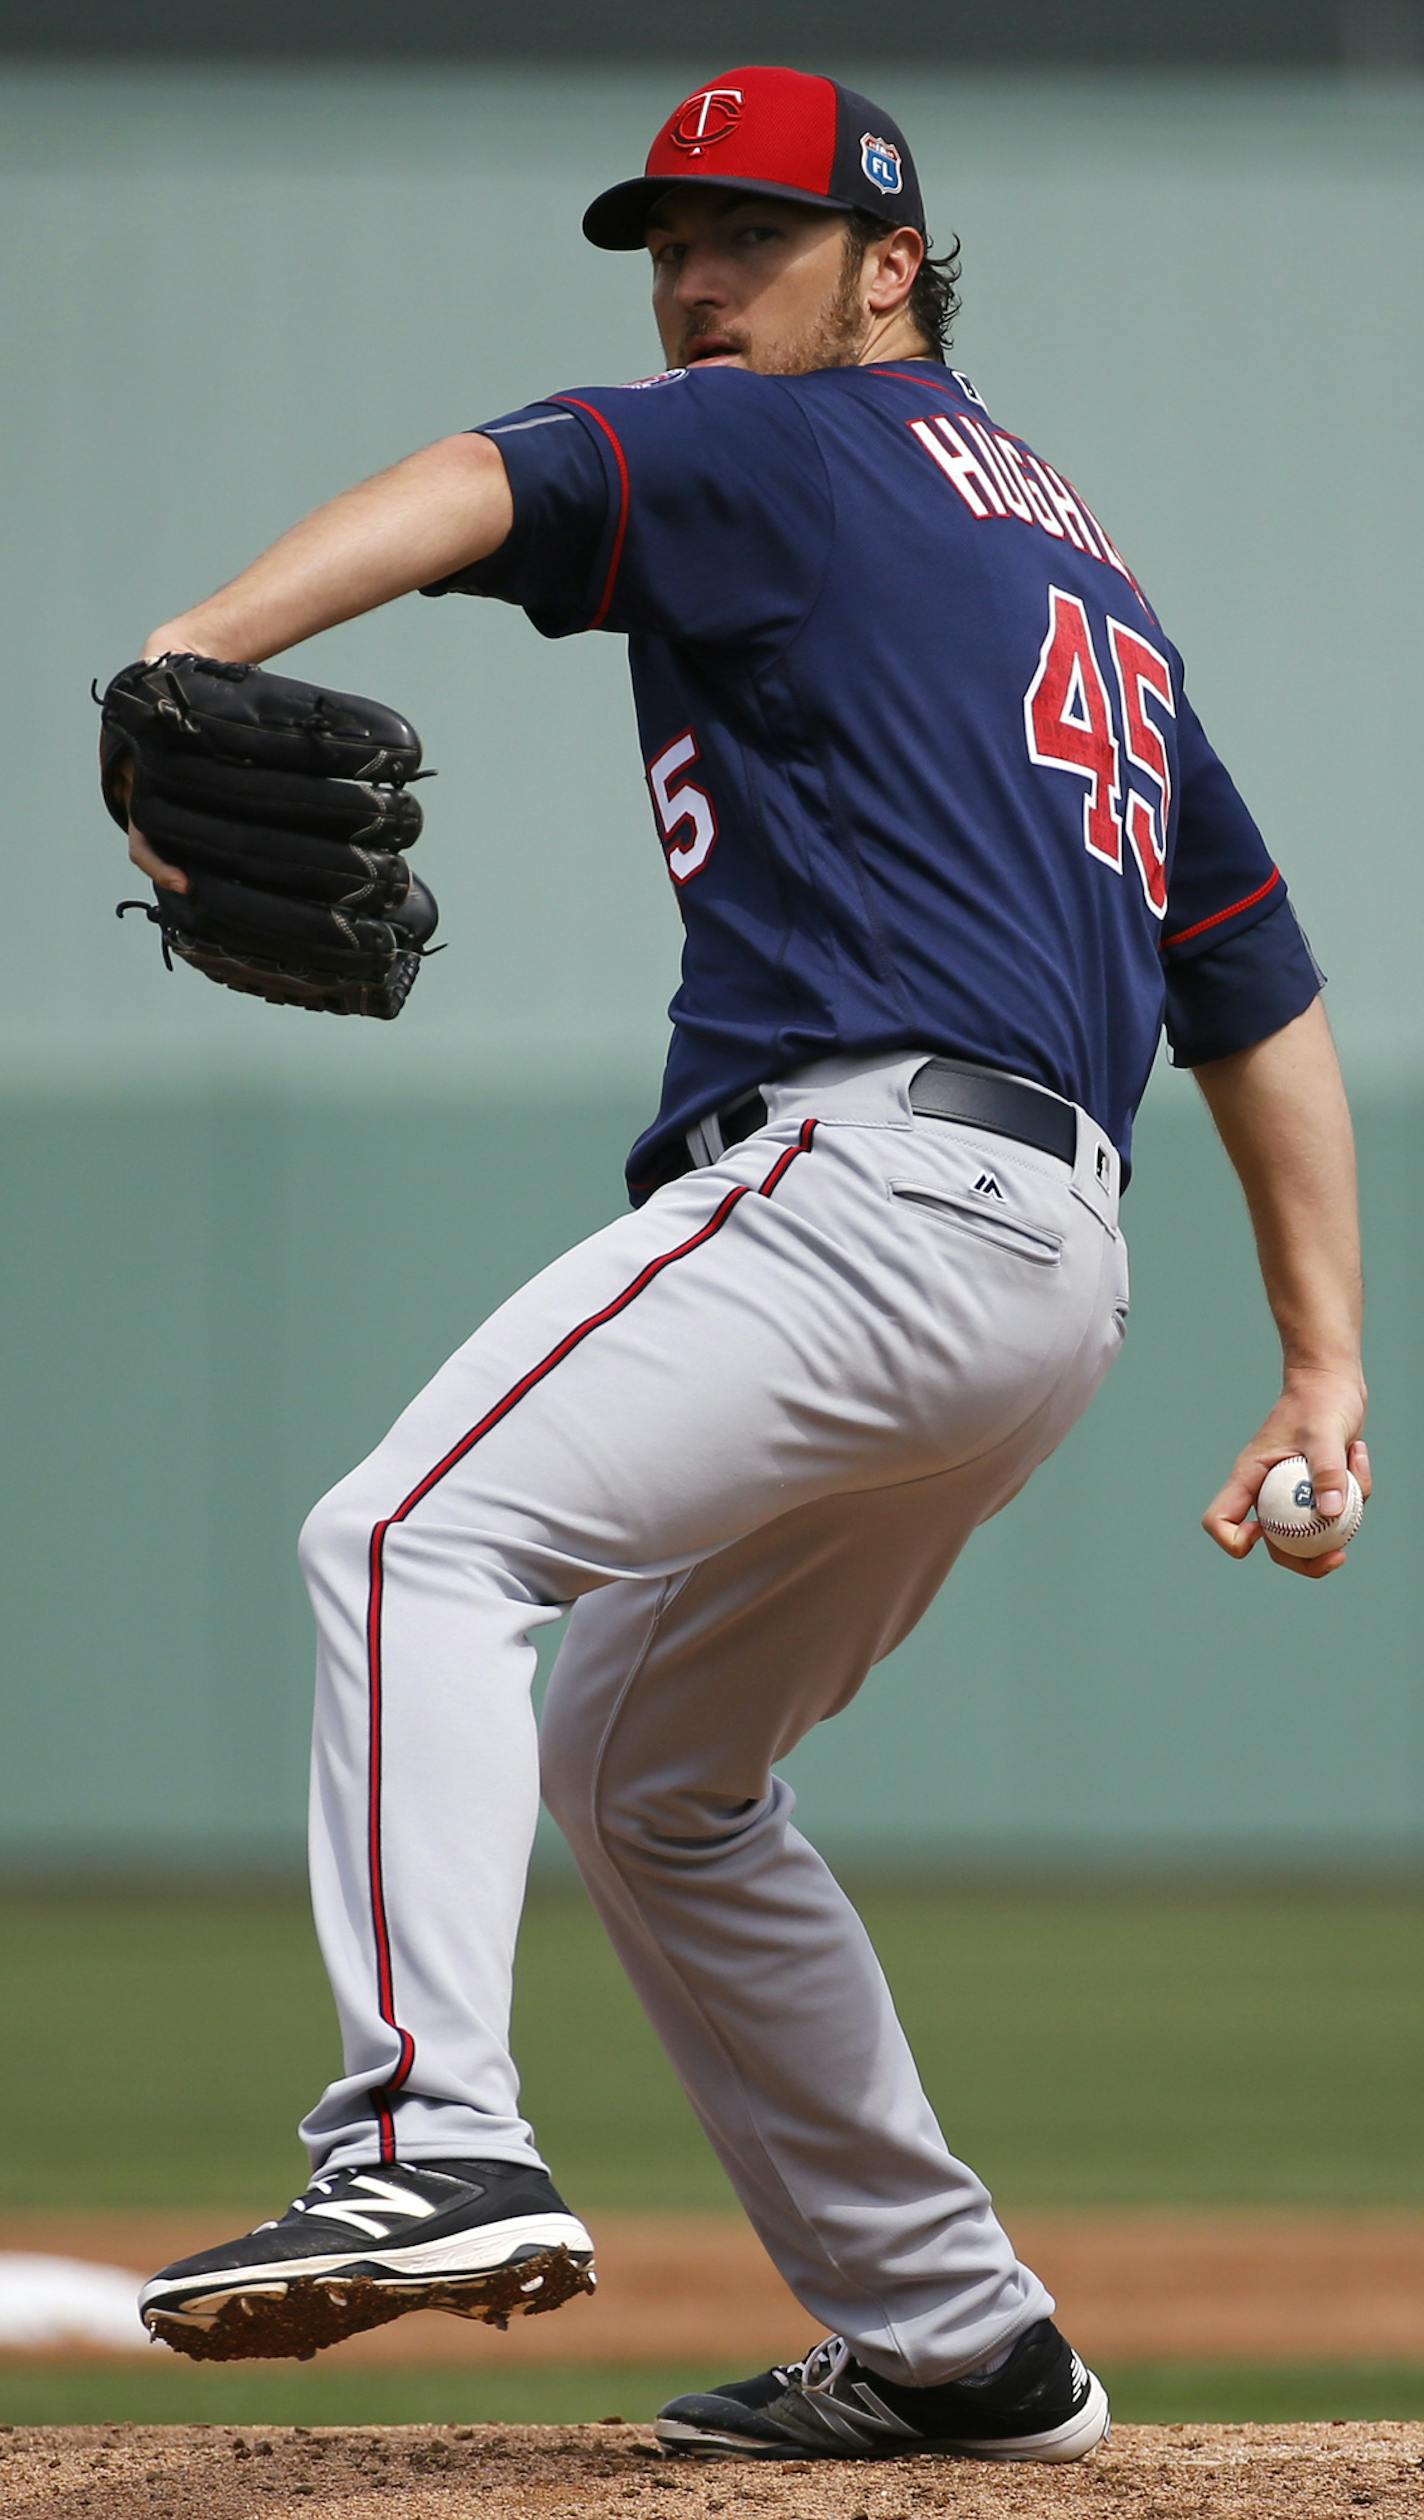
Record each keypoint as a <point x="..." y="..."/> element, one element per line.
<point x="287" y="808"/>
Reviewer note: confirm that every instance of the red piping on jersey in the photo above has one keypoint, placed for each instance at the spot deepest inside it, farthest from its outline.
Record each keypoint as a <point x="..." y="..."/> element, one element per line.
<point x="926" y="376"/>
<point x="385" y="1989"/>
<point x="1179" y="935"/>
<point x="616" y="557"/>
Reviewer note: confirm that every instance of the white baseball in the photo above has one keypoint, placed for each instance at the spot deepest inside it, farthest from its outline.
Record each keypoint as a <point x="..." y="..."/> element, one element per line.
<point x="1285" y="1508"/>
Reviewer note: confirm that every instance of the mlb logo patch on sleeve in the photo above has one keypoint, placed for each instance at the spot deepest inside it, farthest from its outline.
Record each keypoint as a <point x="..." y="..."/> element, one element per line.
<point x="881" y="161"/>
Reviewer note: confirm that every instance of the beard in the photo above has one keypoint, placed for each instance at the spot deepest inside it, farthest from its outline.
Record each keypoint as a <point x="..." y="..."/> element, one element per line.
<point x="831" y="338"/>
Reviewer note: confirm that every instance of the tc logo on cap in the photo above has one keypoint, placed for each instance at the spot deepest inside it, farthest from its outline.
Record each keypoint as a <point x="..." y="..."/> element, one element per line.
<point x="712" y="115"/>
<point x="881" y="162"/>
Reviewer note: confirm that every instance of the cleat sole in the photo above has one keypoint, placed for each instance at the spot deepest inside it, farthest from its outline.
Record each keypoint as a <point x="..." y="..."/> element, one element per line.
<point x="269" y="2321"/>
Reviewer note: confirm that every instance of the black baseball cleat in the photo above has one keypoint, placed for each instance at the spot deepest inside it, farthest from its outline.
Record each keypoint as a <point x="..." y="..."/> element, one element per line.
<point x="1043" y="2403"/>
<point x="481" y="2238"/>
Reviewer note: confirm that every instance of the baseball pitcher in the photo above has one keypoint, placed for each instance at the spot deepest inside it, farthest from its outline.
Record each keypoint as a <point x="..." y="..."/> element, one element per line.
<point x="950" y="847"/>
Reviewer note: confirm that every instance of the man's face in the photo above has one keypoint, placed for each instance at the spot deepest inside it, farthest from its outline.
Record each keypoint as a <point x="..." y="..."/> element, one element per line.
<point x="746" y="280"/>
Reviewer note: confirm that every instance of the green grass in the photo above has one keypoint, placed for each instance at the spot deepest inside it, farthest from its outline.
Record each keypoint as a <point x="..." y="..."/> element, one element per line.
<point x="171" y="2393"/>
<point x="165" y="2391"/>
<point x="1083" y="2047"/>
<point x="1266" y="2393"/>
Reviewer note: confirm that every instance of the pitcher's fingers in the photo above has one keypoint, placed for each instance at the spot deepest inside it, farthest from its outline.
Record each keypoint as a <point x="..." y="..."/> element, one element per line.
<point x="1314" y="1568"/>
<point x="1229" y="1521"/>
<point x="1359" y="1458"/>
<point x="167" y="878"/>
<point x="1326" y="1456"/>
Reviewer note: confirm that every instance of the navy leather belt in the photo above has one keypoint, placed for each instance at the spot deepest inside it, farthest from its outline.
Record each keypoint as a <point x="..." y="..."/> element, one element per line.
<point x="941" y="1090"/>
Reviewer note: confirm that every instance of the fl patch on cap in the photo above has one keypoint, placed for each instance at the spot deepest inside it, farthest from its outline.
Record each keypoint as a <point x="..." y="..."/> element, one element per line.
<point x="763" y="130"/>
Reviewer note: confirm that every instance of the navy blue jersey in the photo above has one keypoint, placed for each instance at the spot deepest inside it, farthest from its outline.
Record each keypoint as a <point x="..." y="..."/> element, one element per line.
<point x="922" y="763"/>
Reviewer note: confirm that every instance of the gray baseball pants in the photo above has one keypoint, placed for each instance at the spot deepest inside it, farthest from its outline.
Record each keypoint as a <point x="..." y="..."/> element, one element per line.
<point x="743" y="1433"/>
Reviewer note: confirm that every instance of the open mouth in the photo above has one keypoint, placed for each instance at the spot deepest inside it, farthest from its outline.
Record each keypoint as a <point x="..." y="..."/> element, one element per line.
<point x="710" y="347"/>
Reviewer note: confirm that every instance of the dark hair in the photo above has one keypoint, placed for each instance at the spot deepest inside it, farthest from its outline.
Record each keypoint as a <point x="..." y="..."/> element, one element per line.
<point x="933" y="302"/>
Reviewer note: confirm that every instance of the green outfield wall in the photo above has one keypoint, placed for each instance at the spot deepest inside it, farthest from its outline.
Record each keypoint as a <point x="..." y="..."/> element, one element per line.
<point x="236" y="1240"/>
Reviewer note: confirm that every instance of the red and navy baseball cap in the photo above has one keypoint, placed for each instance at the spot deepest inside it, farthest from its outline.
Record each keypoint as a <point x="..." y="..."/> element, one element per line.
<point x="764" y="130"/>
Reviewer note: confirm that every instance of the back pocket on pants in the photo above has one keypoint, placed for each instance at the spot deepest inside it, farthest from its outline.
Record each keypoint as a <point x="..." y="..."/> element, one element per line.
<point x="1037" y="1243"/>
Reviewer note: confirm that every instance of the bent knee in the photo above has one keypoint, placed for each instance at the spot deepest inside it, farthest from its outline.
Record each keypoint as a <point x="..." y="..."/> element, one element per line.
<point x="635" y="1818"/>
<point x="337" y="1532"/>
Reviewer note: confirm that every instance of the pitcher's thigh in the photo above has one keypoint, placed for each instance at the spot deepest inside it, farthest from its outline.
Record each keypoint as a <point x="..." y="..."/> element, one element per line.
<point x="672" y="1701"/>
<point x="681" y="1378"/>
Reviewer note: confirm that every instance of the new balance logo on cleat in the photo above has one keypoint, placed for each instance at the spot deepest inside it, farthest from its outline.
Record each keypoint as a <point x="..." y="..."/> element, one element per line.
<point x="856" y="2416"/>
<point x="988" y="1187"/>
<point x="1039" y="2403"/>
<point x="397" y="2205"/>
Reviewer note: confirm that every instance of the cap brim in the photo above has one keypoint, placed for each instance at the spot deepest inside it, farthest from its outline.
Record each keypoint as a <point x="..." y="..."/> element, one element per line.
<point x="618" y="219"/>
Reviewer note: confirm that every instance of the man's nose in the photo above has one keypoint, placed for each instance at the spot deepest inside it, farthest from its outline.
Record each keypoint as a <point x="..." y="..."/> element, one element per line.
<point x="701" y="279"/>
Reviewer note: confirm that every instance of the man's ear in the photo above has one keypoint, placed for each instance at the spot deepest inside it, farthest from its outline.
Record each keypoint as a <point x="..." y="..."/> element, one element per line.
<point x="891" y="263"/>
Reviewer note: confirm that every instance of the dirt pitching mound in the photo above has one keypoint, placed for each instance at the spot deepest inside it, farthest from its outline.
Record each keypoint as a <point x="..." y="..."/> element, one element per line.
<point x="510" y="2472"/>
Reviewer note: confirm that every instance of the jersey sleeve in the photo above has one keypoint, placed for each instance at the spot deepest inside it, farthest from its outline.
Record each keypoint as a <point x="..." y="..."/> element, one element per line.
<point x="1236" y="962"/>
<point x="693" y="508"/>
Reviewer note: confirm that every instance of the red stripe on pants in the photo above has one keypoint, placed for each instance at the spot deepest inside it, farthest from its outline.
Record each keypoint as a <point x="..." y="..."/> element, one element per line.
<point x="380" y="1926"/>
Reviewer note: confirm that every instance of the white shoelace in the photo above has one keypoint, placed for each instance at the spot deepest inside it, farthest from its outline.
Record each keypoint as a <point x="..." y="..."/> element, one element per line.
<point x="318" y="2187"/>
<point x="298" y="2204"/>
<point x="820" y="2369"/>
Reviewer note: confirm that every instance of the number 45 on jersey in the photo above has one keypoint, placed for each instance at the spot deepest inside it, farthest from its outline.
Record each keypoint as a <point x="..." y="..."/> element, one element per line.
<point x="1069" y="725"/>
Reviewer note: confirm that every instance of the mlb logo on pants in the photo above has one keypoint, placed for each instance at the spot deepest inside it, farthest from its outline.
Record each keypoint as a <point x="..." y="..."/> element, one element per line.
<point x="881" y="161"/>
